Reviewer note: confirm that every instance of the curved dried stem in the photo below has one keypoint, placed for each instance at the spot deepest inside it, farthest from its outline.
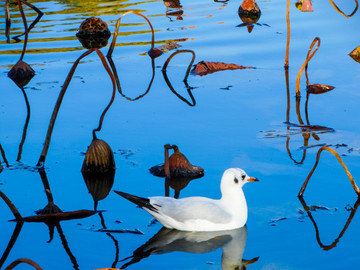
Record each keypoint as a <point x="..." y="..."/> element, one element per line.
<point x="23" y="260"/>
<point x="66" y="246"/>
<point x="304" y="151"/>
<point x="57" y="107"/>
<point x="37" y="19"/>
<point x="308" y="58"/>
<point x="26" y="28"/>
<point x="334" y="243"/>
<point x="12" y="242"/>
<point x="103" y="60"/>
<point x="287" y="35"/>
<point x="113" y="68"/>
<point x="352" y="181"/>
<point x="342" y="13"/>
<point x="25" y="126"/>
<point x="7" y="21"/>
<point x="112" y="46"/>
<point x="185" y="78"/>
<point x="11" y="206"/>
<point x="3" y="156"/>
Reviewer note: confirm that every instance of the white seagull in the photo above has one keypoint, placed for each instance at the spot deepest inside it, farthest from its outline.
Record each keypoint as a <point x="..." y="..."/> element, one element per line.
<point x="200" y="213"/>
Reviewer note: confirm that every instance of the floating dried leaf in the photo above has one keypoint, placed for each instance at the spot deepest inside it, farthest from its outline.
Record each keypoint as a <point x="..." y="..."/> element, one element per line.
<point x="307" y="6"/>
<point x="355" y="54"/>
<point x="317" y="89"/>
<point x="205" y="67"/>
<point x="55" y="217"/>
<point x="21" y="73"/>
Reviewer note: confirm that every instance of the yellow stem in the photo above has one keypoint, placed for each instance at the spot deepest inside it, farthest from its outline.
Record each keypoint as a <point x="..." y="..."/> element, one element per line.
<point x="352" y="181"/>
<point x="342" y="13"/>
<point x="308" y="58"/>
<point x="112" y="46"/>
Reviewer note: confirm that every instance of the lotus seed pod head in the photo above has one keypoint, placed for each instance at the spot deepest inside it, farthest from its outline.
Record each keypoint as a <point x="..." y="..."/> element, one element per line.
<point x="93" y="33"/>
<point x="98" y="158"/>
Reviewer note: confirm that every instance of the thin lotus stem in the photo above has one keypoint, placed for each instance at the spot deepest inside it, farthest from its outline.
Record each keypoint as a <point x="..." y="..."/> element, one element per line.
<point x="12" y="242"/>
<point x="113" y="68"/>
<point x="57" y="107"/>
<point x="289" y="152"/>
<point x="288" y="35"/>
<point x="308" y="58"/>
<point x="112" y="46"/>
<point x="167" y="163"/>
<point x="190" y="64"/>
<point x="342" y="13"/>
<point x="66" y="246"/>
<point x="102" y="220"/>
<point x="103" y="60"/>
<point x="40" y="14"/>
<point x="23" y="260"/>
<point x="25" y="126"/>
<point x="306" y="108"/>
<point x="352" y="181"/>
<point x="7" y="21"/>
<point x="46" y="185"/>
<point x="26" y="28"/>
<point x="185" y="78"/>
<point x="334" y="243"/>
<point x="298" y="113"/>
<point x="287" y="94"/>
<point x="11" y="206"/>
<point x="3" y="156"/>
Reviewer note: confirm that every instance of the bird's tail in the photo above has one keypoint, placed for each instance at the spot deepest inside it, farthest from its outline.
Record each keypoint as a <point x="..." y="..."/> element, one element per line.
<point x="139" y="201"/>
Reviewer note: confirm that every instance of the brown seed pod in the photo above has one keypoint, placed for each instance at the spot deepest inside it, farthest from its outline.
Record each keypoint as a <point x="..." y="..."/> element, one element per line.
<point x="249" y="11"/>
<point x="179" y="166"/>
<point x="21" y="73"/>
<point x="93" y="33"/>
<point x="99" y="158"/>
<point x="99" y="184"/>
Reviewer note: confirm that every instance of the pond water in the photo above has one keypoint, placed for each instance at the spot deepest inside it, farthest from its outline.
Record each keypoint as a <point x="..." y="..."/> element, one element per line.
<point x="247" y="118"/>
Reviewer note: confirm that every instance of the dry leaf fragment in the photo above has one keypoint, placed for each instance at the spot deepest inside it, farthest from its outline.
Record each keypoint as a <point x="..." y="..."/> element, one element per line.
<point x="318" y="88"/>
<point x="205" y="67"/>
<point x="60" y="216"/>
<point x="355" y="54"/>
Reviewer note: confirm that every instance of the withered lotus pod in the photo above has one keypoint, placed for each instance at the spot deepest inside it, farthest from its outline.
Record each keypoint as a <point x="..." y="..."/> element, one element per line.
<point x="249" y="11"/>
<point x="21" y="73"/>
<point x="317" y="88"/>
<point x="154" y="53"/>
<point x="172" y="4"/>
<point x="99" y="158"/>
<point x="99" y="184"/>
<point x="179" y="166"/>
<point x="93" y="33"/>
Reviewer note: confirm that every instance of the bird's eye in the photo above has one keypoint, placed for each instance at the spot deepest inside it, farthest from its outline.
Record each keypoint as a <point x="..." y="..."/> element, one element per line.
<point x="243" y="177"/>
<point x="236" y="181"/>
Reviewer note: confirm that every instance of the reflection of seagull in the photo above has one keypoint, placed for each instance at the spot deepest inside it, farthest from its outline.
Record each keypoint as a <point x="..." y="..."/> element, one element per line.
<point x="200" y="213"/>
<point x="165" y="241"/>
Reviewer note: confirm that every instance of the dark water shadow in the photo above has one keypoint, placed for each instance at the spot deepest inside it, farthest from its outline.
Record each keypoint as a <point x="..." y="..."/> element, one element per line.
<point x="165" y="241"/>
